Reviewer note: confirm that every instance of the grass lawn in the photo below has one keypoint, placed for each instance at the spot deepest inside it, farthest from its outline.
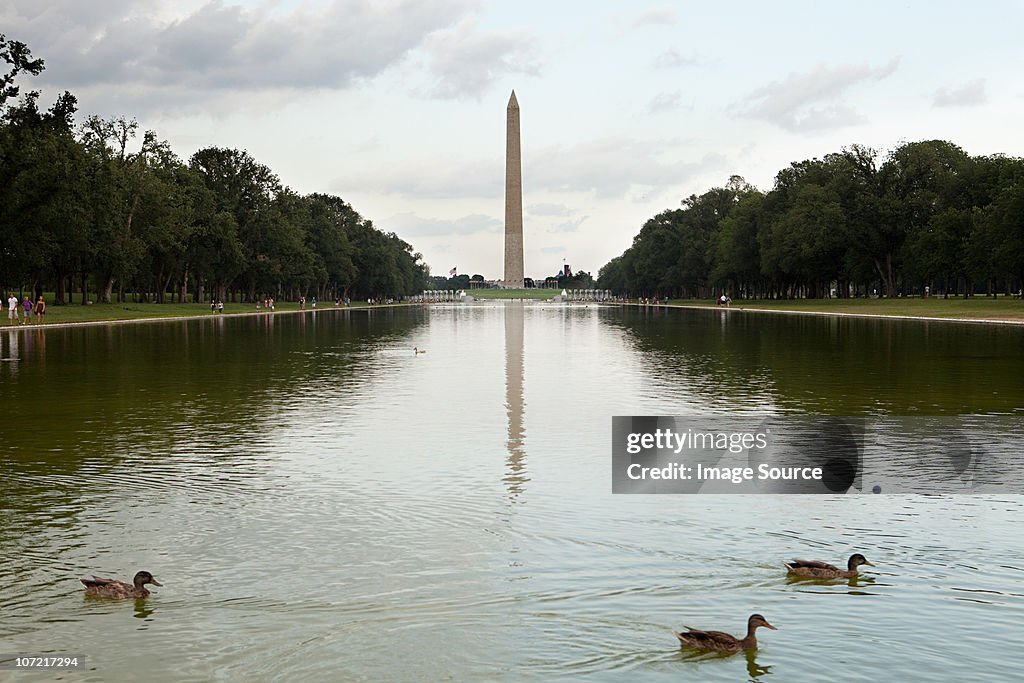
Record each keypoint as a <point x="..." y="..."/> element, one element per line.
<point x="977" y="307"/>
<point x="974" y="308"/>
<point x="76" y="313"/>
<point x="513" y="293"/>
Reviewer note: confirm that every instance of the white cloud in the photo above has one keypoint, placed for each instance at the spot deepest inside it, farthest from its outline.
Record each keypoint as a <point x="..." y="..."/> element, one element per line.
<point x="479" y="178"/>
<point x="465" y="61"/>
<point x="966" y="95"/>
<point x="606" y="167"/>
<point x="568" y="225"/>
<point x="609" y="167"/>
<point x="653" y="16"/>
<point x="812" y="100"/>
<point x="671" y="59"/>
<point x="548" y="209"/>
<point x="665" y="102"/>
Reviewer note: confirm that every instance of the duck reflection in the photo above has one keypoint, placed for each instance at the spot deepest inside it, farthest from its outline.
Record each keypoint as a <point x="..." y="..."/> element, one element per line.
<point x="860" y="581"/>
<point x="755" y="670"/>
<point x="516" y="476"/>
<point x="143" y="609"/>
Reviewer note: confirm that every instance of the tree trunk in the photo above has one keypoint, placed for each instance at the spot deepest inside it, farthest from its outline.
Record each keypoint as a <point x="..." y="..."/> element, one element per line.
<point x="160" y="282"/>
<point x="183" y="287"/>
<point x="108" y="289"/>
<point x="59" y="294"/>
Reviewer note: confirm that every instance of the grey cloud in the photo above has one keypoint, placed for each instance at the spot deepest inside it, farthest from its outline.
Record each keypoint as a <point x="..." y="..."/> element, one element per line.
<point x="548" y="209"/>
<point x="482" y="178"/>
<point x="53" y="19"/>
<point x="665" y="101"/>
<point x="537" y="214"/>
<point x="464" y="60"/>
<point x="606" y="167"/>
<point x="217" y="47"/>
<point x="653" y="16"/>
<point x="569" y="225"/>
<point x="411" y="225"/>
<point x="967" y="95"/>
<point x="808" y="101"/>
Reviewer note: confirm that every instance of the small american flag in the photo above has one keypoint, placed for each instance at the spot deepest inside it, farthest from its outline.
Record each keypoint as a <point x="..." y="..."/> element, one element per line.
<point x="451" y="273"/>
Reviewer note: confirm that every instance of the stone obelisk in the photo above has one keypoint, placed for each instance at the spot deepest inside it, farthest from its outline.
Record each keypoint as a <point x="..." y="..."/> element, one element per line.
<point x="513" y="198"/>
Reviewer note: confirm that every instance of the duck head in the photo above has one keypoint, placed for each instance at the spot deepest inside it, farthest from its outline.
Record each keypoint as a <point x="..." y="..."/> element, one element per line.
<point x="857" y="560"/>
<point x="142" y="578"/>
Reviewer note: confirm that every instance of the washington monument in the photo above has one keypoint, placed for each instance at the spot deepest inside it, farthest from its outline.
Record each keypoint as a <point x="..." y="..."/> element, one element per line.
<point x="513" y="198"/>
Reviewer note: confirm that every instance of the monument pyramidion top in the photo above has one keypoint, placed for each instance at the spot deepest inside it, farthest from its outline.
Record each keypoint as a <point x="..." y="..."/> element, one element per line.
<point x="512" y="102"/>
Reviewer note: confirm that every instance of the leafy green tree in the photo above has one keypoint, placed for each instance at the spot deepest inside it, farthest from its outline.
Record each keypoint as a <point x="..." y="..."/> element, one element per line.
<point x="613" y="276"/>
<point x="919" y="180"/>
<point x="737" y="262"/>
<point x="43" y="208"/>
<point x="245" y="190"/>
<point x="938" y="250"/>
<point x="331" y="220"/>
<point x="124" y="186"/>
<point x="1003" y="233"/>
<point x="19" y="60"/>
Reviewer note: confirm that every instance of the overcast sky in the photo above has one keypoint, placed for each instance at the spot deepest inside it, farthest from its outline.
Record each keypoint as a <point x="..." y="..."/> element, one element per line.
<point x="398" y="106"/>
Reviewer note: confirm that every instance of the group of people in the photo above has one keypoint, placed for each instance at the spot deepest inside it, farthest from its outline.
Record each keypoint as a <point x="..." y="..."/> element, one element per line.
<point x="267" y="304"/>
<point x="13" y="310"/>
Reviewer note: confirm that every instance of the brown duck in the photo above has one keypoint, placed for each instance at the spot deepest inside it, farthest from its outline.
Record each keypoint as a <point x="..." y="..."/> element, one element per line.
<point x="813" y="569"/>
<point x="111" y="588"/>
<point x="723" y="642"/>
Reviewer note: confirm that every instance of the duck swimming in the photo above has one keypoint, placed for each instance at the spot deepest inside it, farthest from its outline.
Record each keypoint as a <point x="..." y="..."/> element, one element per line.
<point x="723" y="642"/>
<point x="111" y="588"/>
<point x="813" y="569"/>
<point x="417" y="350"/>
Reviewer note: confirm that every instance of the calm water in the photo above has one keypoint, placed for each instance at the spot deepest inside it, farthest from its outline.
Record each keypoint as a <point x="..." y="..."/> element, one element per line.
<point x="322" y="504"/>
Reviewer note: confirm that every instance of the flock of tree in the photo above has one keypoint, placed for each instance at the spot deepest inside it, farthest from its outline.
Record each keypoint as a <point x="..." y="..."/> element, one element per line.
<point x="92" y="208"/>
<point x="927" y="215"/>
<point x="579" y="280"/>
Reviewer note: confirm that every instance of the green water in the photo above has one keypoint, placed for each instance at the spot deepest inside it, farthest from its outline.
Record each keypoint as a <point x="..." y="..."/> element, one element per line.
<point x="321" y="503"/>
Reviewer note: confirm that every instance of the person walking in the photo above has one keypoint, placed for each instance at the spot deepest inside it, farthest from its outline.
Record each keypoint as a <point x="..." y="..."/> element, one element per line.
<point x="27" y="305"/>
<point x="40" y="309"/>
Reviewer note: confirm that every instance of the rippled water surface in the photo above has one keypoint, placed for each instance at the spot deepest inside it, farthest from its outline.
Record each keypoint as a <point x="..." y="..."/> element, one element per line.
<point x="321" y="503"/>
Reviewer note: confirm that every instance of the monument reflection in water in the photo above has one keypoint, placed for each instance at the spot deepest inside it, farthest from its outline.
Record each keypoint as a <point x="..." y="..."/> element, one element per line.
<point x="516" y="476"/>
